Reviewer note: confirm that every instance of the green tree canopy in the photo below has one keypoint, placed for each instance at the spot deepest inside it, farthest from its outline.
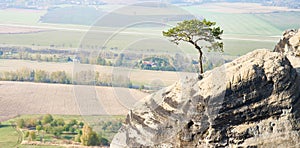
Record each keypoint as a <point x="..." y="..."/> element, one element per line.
<point x="73" y="122"/>
<point x="32" y="136"/>
<point x="21" y="123"/>
<point x="200" y="33"/>
<point x="38" y="127"/>
<point x="60" y="122"/>
<point x="47" y="119"/>
<point x="89" y="137"/>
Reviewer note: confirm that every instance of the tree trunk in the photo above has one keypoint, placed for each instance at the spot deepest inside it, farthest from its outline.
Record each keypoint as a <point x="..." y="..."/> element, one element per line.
<point x="200" y="64"/>
<point x="200" y="57"/>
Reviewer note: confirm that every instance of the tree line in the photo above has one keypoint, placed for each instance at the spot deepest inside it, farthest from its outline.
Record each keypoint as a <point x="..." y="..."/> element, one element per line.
<point x="61" y="77"/>
<point x="41" y="76"/>
<point x="107" y="57"/>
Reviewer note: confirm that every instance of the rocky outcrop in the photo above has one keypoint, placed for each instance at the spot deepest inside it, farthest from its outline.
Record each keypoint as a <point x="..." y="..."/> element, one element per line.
<point x="250" y="102"/>
<point x="289" y="43"/>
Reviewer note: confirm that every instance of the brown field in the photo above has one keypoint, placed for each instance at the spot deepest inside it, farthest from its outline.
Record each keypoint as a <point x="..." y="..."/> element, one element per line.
<point x="19" y="98"/>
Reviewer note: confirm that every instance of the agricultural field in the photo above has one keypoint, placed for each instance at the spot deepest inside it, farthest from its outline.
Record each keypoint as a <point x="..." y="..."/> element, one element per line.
<point x="36" y="98"/>
<point x="20" y="16"/>
<point x="281" y="20"/>
<point x="259" y="29"/>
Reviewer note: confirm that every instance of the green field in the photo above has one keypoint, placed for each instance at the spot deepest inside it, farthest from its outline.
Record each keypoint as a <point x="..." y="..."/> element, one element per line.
<point x="242" y="24"/>
<point x="8" y="136"/>
<point x="281" y="20"/>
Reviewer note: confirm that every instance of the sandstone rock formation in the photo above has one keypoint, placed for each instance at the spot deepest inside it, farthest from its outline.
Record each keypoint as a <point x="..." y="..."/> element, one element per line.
<point x="250" y="102"/>
<point x="289" y="43"/>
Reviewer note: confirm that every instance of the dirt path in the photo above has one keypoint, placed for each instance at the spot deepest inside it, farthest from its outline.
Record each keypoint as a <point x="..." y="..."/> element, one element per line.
<point x="20" y="135"/>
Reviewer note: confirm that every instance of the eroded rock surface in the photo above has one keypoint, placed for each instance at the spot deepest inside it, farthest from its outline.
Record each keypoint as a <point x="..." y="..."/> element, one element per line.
<point x="290" y="43"/>
<point x="252" y="101"/>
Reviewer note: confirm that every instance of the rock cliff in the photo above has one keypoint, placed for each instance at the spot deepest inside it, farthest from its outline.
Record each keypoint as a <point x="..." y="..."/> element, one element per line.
<point x="252" y="101"/>
<point x="289" y="43"/>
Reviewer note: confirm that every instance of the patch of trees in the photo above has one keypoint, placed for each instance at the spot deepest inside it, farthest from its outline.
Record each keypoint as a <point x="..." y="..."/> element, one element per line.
<point x="106" y="58"/>
<point x="95" y="78"/>
<point x="36" y="76"/>
<point x="61" y="77"/>
<point x="110" y="126"/>
<point x="36" y="128"/>
<point x="91" y="138"/>
<point x="156" y="63"/>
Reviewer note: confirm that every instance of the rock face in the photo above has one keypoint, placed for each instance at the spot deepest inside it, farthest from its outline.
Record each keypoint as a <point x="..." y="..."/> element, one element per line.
<point x="289" y="43"/>
<point x="250" y="102"/>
